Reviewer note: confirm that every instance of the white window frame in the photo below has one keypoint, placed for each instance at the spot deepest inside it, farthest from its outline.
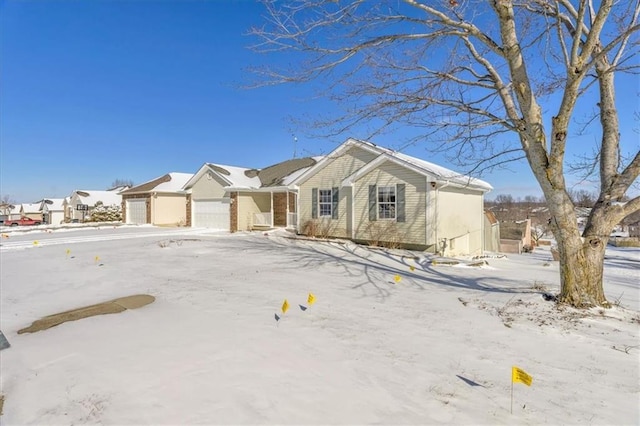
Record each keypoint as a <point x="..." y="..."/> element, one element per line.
<point x="326" y="203"/>
<point x="393" y="204"/>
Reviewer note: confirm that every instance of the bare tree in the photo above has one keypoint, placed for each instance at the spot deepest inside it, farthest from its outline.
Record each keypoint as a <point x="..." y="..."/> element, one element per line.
<point x="476" y="77"/>
<point x="122" y="182"/>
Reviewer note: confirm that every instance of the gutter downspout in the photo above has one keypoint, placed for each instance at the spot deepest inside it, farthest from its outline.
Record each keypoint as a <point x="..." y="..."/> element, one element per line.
<point x="438" y="188"/>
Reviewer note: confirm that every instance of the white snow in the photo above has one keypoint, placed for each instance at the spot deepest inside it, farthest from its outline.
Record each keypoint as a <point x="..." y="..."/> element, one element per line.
<point x="433" y="346"/>
<point x="175" y="184"/>
<point x="238" y="178"/>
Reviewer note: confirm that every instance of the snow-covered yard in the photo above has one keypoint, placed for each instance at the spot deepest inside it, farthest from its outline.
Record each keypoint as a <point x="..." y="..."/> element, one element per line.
<point x="391" y="338"/>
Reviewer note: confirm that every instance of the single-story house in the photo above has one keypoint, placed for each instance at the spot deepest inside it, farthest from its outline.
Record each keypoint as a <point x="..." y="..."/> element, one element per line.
<point x="368" y="193"/>
<point x="237" y="199"/>
<point x="52" y="210"/>
<point x="31" y="210"/>
<point x="81" y="203"/>
<point x="8" y="211"/>
<point x="160" y="201"/>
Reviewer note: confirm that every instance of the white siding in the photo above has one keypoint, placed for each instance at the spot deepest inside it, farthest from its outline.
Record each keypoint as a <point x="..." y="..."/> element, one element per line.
<point x="460" y="218"/>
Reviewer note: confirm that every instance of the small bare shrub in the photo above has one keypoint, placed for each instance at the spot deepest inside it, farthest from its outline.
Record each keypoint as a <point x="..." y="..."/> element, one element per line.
<point x="318" y="229"/>
<point x="386" y="234"/>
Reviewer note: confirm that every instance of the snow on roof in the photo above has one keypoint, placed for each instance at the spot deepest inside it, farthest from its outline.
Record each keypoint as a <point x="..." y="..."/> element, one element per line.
<point x="175" y="184"/>
<point x="171" y="182"/>
<point x="30" y="207"/>
<point x="438" y="171"/>
<point x="91" y="197"/>
<point x="239" y="177"/>
<point x="53" y="204"/>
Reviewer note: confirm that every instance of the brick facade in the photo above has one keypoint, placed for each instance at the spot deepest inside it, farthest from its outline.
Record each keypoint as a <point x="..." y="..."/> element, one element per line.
<point x="233" y="212"/>
<point x="188" y="218"/>
<point x="280" y="209"/>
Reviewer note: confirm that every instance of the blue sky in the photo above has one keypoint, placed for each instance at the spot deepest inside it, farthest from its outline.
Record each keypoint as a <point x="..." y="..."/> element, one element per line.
<point x="96" y="91"/>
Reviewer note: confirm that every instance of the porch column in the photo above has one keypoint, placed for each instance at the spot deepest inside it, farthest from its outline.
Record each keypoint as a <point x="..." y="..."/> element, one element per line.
<point x="271" y="194"/>
<point x="287" y="210"/>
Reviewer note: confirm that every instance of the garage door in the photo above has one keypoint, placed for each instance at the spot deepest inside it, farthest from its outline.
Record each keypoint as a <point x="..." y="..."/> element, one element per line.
<point x="137" y="211"/>
<point x="211" y="214"/>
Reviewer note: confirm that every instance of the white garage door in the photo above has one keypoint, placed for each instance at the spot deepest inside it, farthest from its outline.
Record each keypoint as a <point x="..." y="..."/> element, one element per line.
<point x="211" y="214"/>
<point x="137" y="211"/>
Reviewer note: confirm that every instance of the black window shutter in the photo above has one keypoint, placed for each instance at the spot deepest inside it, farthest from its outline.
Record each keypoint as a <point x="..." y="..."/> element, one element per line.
<point x="373" y="203"/>
<point x="335" y="196"/>
<point x="400" y="217"/>
<point x="314" y="203"/>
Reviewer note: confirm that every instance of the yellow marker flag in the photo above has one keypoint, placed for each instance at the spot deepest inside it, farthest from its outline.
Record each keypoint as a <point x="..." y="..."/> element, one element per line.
<point x="97" y="259"/>
<point x="68" y="252"/>
<point x="412" y="268"/>
<point x="285" y="306"/>
<point x="311" y="299"/>
<point x="397" y="278"/>
<point x="519" y="375"/>
<point x="35" y="243"/>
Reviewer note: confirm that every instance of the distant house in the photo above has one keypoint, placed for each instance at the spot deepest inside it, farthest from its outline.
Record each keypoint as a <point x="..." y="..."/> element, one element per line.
<point x="236" y="199"/>
<point x="8" y="211"/>
<point x="373" y="194"/>
<point x="52" y="210"/>
<point x="515" y="236"/>
<point x="160" y="201"/>
<point x="81" y="203"/>
<point x="31" y="210"/>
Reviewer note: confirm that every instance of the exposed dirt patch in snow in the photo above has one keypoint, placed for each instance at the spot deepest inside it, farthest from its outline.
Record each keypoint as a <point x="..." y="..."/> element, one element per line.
<point x="111" y="307"/>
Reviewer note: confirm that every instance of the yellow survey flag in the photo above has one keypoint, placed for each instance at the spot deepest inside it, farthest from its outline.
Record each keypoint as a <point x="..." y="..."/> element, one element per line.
<point x="311" y="299"/>
<point x="35" y="243"/>
<point x="519" y="375"/>
<point x="68" y="252"/>
<point x="285" y="306"/>
<point x="397" y="278"/>
<point x="412" y="268"/>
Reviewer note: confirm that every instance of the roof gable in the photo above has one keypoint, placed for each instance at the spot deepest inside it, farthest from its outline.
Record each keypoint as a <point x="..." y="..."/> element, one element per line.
<point x="169" y="183"/>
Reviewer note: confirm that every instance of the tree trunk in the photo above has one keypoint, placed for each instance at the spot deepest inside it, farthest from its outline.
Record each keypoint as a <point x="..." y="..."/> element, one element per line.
<point x="581" y="271"/>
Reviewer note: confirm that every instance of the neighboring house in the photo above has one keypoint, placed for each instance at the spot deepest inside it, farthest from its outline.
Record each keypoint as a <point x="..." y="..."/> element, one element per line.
<point x="515" y="236"/>
<point x="8" y="211"/>
<point x="160" y="201"/>
<point x="237" y="199"/>
<point x="372" y="194"/>
<point x="74" y="205"/>
<point x="491" y="232"/>
<point x="31" y="210"/>
<point x="52" y="210"/>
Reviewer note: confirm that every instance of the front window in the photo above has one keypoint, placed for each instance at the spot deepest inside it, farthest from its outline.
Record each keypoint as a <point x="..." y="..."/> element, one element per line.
<point x="386" y="202"/>
<point x="324" y="202"/>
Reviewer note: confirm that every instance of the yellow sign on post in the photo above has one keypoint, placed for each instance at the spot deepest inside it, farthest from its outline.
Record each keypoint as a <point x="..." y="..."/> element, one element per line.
<point x="285" y="306"/>
<point x="519" y="375"/>
<point x="311" y="299"/>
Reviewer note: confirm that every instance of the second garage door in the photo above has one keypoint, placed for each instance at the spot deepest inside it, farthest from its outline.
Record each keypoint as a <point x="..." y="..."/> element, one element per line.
<point x="137" y="211"/>
<point x="211" y="214"/>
